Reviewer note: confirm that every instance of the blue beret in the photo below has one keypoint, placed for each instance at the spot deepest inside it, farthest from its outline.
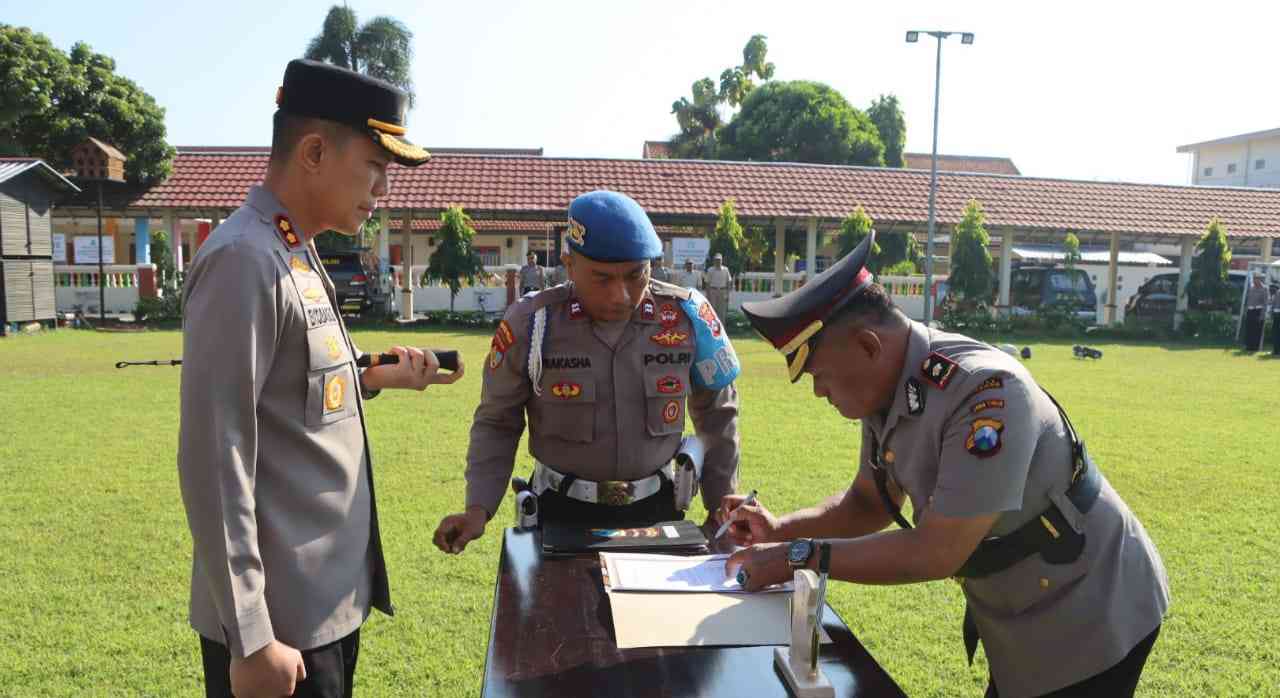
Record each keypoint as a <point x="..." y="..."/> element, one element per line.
<point x="610" y="227"/>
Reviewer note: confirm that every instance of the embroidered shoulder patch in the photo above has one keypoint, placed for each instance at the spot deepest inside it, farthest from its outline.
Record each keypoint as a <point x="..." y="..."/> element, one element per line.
<point x="575" y="310"/>
<point x="503" y="340"/>
<point x="668" y="316"/>
<point x="648" y="310"/>
<point x="670" y="338"/>
<point x="987" y="405"/>
<point x="285" y="227"/>
<point x="984" y="437"/>
<point x="915" y="397"/>
<point x="938" y="370"/>
<point x="988" y="384"/>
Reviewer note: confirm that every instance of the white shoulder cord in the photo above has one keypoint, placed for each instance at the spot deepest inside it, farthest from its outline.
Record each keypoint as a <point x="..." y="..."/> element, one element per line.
<point x="537" y="333"/>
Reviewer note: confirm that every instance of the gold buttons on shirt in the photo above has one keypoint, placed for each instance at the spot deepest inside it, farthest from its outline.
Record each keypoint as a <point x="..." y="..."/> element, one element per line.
<point x="889" y="457"/>
<point x="1044" y="583"/>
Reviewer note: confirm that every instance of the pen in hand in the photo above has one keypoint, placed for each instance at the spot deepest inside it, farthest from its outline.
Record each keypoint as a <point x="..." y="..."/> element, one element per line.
<point x="751" y="499"/>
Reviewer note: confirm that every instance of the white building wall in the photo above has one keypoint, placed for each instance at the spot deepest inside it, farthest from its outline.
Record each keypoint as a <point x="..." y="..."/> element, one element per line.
<point x="1256" y="164"/>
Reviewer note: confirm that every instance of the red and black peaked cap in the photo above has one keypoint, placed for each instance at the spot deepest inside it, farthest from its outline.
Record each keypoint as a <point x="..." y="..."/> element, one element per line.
<point x="790" y="323"/>
<point x="321" y="91"/>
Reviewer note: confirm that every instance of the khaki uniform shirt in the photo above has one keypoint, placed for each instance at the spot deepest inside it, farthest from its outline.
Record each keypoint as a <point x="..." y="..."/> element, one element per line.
<point x="662" y="273"/>
<point x="689" y="278"/>
<point x="605" y="412"/>
<point x="532" y="276"/>
<point x="1042" y="626"/>
<point x="273" y="459"/>
<point x="1256" y="297"/>
<point x="719" y="279"/>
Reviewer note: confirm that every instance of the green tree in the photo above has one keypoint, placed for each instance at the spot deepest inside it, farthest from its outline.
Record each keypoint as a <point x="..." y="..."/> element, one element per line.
<point x="1209" y="268"/>
<point x="381" y="48"/>
<point x="886" y="114"/>
<point x="162" y="257"/>
<point x="853" y="230"/>
<point x="1071" y="245"/>
<point x="971" y="274"/>
<point x="455" y="259"/>
<point x="899" y="251"/>
<point x="699" y="117"/>
<point x="800" y="121"/>
<point x="727" y="238"/>
<point x="51" y="102"/>
<point x="756" y="246"/>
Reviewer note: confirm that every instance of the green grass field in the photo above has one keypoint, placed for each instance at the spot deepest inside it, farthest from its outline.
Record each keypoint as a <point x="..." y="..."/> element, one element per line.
<point x="95" y="554"/>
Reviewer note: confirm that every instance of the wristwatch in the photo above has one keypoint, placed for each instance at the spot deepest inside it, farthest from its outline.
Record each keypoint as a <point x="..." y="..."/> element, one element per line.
<point x="799" y="553"/>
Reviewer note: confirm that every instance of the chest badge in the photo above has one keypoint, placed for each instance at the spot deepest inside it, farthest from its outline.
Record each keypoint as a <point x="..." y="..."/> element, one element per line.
<point x="334" y="391"/>
<point x="671" y="411"/>
<point x="915" y="397"/>
<point x="648" y="310"/>
<point x="670" y="338"/>
<point x="335" y="351"/>
<point x="668" y="316"/>
<point x="575" y="310"/>
<point x="938" y="370"/>
<point x="670" y="385"/>
<point x="566" y="390"/>
<point x="287" y="233"/>
<point x="984" y="437"/>
<point x="297" y="264"/>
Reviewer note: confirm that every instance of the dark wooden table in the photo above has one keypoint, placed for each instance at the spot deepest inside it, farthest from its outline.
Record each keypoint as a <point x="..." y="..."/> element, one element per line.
<point x="552" y="635"/>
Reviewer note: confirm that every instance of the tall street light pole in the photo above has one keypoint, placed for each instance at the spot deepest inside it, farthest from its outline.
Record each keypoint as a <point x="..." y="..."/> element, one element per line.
<point x="913" y="37"/>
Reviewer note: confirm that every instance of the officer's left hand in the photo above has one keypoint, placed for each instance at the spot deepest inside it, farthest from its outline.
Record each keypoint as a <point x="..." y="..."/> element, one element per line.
<point x="764" y="564"/>
<point x="417" y="369"/>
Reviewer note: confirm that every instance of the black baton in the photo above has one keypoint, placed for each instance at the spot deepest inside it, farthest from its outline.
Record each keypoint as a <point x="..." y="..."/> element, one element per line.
<point x="448" y="359"/>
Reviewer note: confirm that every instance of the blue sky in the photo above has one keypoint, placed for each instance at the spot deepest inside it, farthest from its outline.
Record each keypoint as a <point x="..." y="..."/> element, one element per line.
<point x="1085" y="90"/>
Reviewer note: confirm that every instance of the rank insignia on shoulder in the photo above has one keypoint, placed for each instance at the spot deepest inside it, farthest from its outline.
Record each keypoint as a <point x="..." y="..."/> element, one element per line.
<point x="984" y="437"/>
<point x="648" y="310"/>
<point x="994" y="383"/>
<point x="503" y="340"/>
<point x="285" y="227"/>
<point x="670" y="385"/>
<point x="938" y="370"/>
<point x="668" y="316"/>
<point x="670" y="338"/>
<point x="987" y="405"/>
<point x="915" y="397"/>
<point x="566" y="391"/>
<point x="575" y="310"/>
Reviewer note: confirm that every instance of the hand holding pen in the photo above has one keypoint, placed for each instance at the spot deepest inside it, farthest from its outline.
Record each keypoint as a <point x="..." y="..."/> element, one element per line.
<point x="745" y="520"/>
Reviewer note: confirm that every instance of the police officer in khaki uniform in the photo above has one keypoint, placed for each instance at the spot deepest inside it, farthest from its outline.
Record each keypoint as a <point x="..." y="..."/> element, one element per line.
<point x="1063" y="586"/>
<point x="532" y="277"/>
<point x="719" y="282"/>
<point x="273" y="458"/>
<point x="689" y="277"/>
<point x="605" y="367"/>
<point x="1255" y="304"/>
<point x="1275" y="321"/>
<point x="662" y="272"/>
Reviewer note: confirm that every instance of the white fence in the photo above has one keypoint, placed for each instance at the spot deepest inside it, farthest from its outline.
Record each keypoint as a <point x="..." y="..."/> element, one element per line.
<point x="75" y="286"/>
<point x="907" y="291"/>
<point x="490" y="296"/>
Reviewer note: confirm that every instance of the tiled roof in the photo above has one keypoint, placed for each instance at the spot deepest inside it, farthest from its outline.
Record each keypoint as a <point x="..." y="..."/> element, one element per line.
<point x="960" y="163"/>
<point x="484" y="226"/>
<point x="691" y="191"/>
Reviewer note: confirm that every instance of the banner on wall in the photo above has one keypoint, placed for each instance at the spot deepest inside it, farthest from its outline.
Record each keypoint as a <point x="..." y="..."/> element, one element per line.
<point x="59" y="248"/>
<point x="87" y="249"/>
<point x="689" y="248"/>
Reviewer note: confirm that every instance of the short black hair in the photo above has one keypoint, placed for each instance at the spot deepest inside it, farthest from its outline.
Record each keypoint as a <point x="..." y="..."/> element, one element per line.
<point x="288" y="129"/>
<point x="871" y="307"/>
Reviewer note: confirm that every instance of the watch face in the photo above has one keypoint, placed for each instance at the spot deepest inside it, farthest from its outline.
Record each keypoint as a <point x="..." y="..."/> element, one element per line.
<point x="798" y="552"/>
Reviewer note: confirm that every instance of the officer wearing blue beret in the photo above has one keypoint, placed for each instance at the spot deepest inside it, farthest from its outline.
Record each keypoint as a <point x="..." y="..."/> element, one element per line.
<point x="604" y="368"/>
<point x="1063" y="586"/>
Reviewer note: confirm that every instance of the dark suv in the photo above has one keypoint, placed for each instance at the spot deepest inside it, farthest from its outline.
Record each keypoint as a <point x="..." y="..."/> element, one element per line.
<point x="1034" y="287"/>
<point x="1157" y="299"/>
<point x="351" y="280"/>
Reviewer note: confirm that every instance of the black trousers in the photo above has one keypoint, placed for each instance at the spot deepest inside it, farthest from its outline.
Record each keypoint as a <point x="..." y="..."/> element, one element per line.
<point x="1253" y="320"/>
<point x="1120" y="681"/>
<point x="331" y="669"/>
<point x="557" y="508"/>
<point x="1275" y="333"/>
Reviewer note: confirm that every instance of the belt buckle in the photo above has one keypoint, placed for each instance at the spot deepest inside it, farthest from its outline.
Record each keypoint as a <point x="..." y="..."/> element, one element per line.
<point x="615" y="493"/>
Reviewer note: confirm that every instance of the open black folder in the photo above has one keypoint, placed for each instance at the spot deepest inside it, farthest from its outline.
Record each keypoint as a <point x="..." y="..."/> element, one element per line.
<point x="683" y="536"/>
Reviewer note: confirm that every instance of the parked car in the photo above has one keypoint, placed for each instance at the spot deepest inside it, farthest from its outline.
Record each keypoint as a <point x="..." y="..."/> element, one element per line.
<point x="1157" y="299"/>
<point x="351" y="280"/>
<point x="1032" y="288"/>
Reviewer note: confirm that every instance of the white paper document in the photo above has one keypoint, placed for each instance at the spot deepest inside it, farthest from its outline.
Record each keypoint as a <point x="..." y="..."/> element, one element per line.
<point x="676" y="573"/>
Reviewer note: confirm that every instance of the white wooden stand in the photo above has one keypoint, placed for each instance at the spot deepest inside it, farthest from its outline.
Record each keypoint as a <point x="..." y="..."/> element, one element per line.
<point x="795" y="662"/>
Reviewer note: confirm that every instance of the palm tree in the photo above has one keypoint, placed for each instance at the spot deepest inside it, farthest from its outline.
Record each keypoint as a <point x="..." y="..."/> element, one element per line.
<point x="381" y="48"/>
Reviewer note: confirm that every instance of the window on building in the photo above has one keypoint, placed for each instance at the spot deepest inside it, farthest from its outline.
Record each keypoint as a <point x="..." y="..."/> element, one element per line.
<point x="489" y="256"/>
<point x="1259" y="164"/>
<point x="1208" y="171"/>
<point x="1231" y="168"/>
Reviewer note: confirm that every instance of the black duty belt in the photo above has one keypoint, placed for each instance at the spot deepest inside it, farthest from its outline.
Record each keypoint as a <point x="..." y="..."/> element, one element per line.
<point x="1049" y="534"/>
